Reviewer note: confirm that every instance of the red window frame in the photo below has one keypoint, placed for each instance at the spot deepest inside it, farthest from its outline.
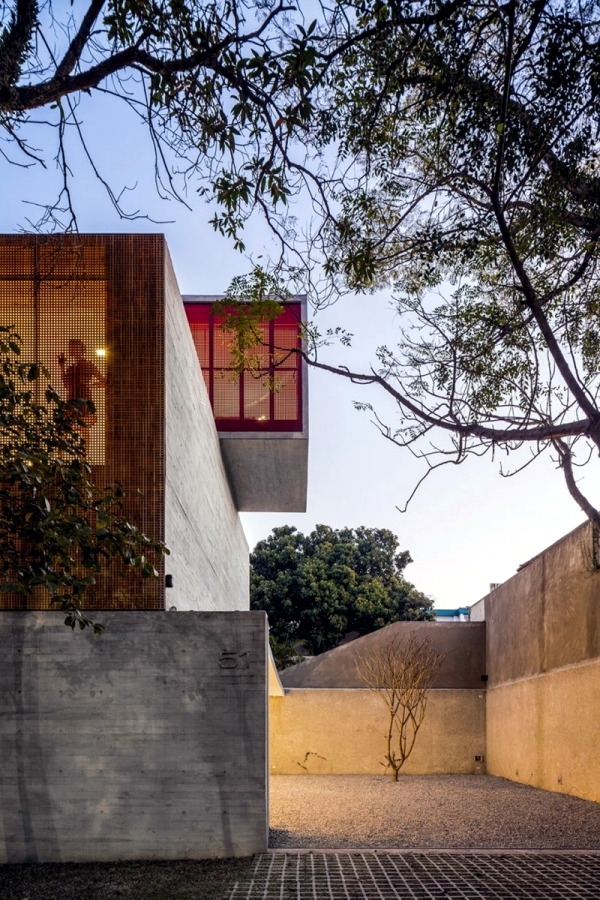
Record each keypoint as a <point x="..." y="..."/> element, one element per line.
<point x="201" y="317"/>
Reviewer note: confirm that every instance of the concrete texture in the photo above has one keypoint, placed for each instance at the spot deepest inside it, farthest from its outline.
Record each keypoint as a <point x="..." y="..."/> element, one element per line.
<point x="477" y="611"/>
<point x="331" y="732"/>
<point x="429" y="811"/>
<point x="543" y="649"/>
<point x="267" y="472"/>
<point x="147" y="742"/>
<point x="209" y="553"/>
<point x="462" y="643"/>
<point x="546" y="616"/>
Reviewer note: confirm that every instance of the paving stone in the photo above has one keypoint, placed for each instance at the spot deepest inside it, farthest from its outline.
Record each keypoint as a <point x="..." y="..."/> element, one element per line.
<point x="446" y="875"/>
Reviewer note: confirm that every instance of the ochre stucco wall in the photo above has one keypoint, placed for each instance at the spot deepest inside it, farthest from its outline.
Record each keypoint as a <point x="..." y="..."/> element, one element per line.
<point x="342" y="731"/>
<point x="544" y="730"/>
<point x="543" y="662"/>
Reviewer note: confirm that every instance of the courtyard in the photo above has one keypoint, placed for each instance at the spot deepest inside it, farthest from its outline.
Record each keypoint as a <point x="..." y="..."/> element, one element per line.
<point x="432" y="812"/>
<point x="364" y="837"/>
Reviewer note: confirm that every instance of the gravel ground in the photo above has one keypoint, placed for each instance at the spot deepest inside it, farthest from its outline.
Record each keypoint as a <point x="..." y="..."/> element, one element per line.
<point x="426" y="812"/>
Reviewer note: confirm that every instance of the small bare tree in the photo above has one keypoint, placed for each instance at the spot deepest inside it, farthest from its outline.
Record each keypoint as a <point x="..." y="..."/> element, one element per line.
<point x="401" y="672"/>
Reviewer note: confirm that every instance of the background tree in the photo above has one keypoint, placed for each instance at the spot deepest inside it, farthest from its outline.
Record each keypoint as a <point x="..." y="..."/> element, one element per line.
<point x="401" y="671"/>
<point x="467" y="181"/>
<point x="57" y="530"/>
<point x="316" y="588"/>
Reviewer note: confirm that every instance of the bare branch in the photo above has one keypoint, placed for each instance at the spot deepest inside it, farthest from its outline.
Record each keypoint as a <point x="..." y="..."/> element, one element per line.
<point x="401" y="671"/>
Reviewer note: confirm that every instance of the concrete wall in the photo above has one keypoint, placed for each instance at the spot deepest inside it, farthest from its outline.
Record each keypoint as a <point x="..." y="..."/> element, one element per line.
<point x="461" y="643"/>
<point x="477" y="611"/>
<point x="137" y="744"/>
<point x="335" y="732"/>
<point x="543" y="649"/>
<point x="209" y="553"/>
<point x="267" y="472"/>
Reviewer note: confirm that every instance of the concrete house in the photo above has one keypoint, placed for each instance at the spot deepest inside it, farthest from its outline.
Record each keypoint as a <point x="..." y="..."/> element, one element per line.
<point x="149" y="741"/>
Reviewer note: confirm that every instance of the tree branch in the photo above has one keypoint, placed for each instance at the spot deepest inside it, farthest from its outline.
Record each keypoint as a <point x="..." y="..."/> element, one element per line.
<point x="543" y="432"/>
<point x="565" y="457"/>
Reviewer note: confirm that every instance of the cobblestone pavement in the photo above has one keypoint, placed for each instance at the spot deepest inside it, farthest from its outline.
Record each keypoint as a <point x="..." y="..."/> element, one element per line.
<point x="430" y="875"/>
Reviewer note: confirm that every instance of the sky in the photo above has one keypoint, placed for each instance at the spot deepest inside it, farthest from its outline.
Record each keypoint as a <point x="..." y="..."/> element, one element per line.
<point x="466" y="527"/>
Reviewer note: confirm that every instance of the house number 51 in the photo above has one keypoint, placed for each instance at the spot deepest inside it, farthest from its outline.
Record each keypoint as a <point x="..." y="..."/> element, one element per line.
<point x="233" y="659"/>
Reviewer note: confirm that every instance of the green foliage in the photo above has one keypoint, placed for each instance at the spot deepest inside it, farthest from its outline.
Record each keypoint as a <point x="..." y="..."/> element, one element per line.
<point x="224" y="88"/>
<point x="57" y="530"/>
<point x="249" y="302"/>
<point x="475" y="196"/>
<point x="316" y="588"/>
<point x="285" y="653"/>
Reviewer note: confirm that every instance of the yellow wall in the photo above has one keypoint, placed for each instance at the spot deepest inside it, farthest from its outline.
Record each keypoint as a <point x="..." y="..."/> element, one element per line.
<point x="545" y="730"/>
<point x="342" y="731"/>
<point x="543" y="666"/>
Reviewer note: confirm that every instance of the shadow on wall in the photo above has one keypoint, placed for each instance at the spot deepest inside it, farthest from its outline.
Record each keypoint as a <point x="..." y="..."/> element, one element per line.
<point x="534" y="720"/>
<point x="329" y="723"/>
<point x="144" y="743"/>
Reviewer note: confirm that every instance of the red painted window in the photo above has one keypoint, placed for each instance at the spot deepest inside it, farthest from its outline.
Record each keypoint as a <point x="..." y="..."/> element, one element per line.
<point x="267" y="399"/>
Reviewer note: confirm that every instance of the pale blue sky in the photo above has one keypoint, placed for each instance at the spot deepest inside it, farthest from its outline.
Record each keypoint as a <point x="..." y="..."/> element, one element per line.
<point x="466" y="527"/>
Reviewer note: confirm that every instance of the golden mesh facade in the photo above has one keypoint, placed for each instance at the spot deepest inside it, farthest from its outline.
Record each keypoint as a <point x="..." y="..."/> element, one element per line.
<point x="90" y="309"/>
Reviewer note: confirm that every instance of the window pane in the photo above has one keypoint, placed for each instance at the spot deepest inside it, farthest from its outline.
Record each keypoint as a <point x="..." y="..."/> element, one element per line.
<point x="201" y="342"/>
<point x="256" y="398"/>
<point x="286" y="396"/>
<point x="226" y="394"/>
<point x="221" y="346"/>
<point x="71" y="328"/>
<point x="286" y="339"/>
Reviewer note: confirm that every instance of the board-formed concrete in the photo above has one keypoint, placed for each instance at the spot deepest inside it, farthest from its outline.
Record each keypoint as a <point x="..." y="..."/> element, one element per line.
<point x="209" y="553"/>
<point x="147" y="742"/>
<point x="267" y="472"/>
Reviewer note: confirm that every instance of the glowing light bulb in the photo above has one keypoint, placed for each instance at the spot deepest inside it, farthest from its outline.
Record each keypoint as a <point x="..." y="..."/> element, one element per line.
<point x="100" y="351"/>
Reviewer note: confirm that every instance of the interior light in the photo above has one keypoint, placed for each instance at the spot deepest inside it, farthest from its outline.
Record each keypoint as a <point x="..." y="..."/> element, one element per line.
<point x="100" y="351"/>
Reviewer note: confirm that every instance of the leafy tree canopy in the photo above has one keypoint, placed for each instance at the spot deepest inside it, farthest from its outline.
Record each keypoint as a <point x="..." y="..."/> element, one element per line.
<point x="57" y="530"/>
<point x="316" y="588"/>
<point x="467" y="180"/>
<point x="221" y="86"/>
<point x="226" y="89"/>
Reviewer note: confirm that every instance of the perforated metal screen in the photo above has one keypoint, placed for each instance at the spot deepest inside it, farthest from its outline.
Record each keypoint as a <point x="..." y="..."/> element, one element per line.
<point x="90" y="309"/>
<point x="268" y="398"/>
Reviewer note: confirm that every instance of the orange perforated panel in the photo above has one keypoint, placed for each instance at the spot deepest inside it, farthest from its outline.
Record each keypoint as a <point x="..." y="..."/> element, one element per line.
<point x="90" y="309"/>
